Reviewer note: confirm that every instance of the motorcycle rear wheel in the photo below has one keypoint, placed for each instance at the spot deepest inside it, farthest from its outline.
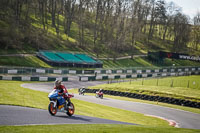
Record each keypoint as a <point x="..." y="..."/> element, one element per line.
<point x="51" y="109"/>
<point x="70" y="109"/>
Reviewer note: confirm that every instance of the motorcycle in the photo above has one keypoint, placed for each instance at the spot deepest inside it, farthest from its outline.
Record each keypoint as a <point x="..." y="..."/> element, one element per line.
<point x="81" y="91"/>
<point x="99" y="94"/>
<point x="59" y="104"/>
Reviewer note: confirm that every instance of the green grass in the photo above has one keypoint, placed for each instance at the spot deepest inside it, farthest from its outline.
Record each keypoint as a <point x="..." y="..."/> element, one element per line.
<point x="33" y="61"/>
<point x="136" y="62"/>
<point x="144" y="62"/>
<point x="28" y="61"/>
<point x="92" y="128"/>
<point x="12" y="94"/>
<point x="186" y="87"/>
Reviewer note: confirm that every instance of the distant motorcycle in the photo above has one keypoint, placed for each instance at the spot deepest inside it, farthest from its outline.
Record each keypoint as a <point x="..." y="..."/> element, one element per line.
<point x="59" y="104"/>
<point x="99" y="94"/>
<point x="81" y="91"/>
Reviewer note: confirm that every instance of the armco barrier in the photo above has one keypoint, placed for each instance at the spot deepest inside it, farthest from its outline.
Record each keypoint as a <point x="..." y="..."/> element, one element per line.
<point x="149" y="97"/>
<point x="34" y="78"/>
<point x="26" y="70"/>
<point x="145" y="75"/>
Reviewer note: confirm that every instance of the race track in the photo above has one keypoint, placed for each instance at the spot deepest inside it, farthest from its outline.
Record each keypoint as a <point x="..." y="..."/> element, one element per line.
<point x="16" y="115"/>
<point x="183" y="119"/>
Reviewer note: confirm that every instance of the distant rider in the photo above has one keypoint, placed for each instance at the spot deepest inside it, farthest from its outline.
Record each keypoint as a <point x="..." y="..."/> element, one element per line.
<point x="100" y="91"/>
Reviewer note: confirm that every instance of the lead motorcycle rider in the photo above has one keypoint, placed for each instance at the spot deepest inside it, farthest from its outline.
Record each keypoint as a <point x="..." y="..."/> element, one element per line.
<point x="62" y="91"/>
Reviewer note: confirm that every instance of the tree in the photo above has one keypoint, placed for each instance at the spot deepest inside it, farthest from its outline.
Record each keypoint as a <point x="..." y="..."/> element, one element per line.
<point x="161" y="17"/>
<point x="171" y="10"/>
<point x="152" y="21"/>
<point x="69" y="12"/>
<point x="195" y="34"/>
<point x="197" y="19"/>
<point x="181" y="32"/>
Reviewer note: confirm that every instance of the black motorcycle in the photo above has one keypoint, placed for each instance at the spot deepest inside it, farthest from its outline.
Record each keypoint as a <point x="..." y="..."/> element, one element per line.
<point x="81" y="91"/>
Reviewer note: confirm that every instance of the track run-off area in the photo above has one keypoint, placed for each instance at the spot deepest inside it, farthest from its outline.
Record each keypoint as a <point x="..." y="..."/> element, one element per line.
<point x="16" y="115"/>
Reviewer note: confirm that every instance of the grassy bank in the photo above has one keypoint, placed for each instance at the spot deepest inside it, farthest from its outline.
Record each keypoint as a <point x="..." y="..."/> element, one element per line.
<point x="26" y="61"/>
<point x="92" y="128"/>
<point x="186" y="87"/>
<point x="33" y="61"/>
<point x="144" y="62"/>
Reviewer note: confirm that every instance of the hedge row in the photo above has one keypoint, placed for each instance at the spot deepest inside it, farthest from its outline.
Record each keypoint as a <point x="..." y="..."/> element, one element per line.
<point x="150" y="98"/>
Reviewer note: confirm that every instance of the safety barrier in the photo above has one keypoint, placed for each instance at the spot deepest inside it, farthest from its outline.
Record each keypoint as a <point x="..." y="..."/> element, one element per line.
<point x="32" y="78"/>
<point x="142" y="75"/>
<point x="24" y="70"/>
<point x="169" y="100"/>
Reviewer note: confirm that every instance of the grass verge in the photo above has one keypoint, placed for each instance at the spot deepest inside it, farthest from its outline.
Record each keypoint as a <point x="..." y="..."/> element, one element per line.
<point x="186" y="87"/>
<point x="92" y="128"/>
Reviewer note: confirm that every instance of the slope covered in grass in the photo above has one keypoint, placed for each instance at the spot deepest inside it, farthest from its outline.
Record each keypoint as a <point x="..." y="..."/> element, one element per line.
<point x="187" y="88"/>
<point x="32" y="61"/>
<point x="26" y="61"/>
<point x="92" y="128"/>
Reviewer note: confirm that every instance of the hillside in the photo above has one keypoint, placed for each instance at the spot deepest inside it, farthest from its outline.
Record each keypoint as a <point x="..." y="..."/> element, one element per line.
<point x="30" y="27"/>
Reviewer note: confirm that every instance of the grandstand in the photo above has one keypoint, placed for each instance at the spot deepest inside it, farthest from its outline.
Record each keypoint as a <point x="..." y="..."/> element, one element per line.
<point x="66" y="59"/>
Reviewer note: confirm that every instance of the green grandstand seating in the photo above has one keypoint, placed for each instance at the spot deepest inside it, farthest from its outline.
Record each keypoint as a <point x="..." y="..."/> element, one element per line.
<point x="65" y="59"/>
<point x="51" y="56"/>
<point x="69" y="57"/>
<point x="85" y="58"/>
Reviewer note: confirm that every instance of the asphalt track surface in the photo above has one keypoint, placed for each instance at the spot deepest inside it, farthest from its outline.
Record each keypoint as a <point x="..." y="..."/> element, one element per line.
<point x="183" y="119"/>
<point x="16" y="115"/>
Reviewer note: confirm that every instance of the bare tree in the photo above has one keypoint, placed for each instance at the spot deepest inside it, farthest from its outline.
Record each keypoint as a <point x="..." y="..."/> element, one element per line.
<point x="69" y="12"/>
<point x="195" y="34"/>
<point x="181" y="32"/>
<point x="152" y="21"/>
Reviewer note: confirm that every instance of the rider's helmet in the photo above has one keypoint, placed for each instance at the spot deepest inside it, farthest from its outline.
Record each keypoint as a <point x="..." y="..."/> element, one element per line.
<point x="57" y="83"/>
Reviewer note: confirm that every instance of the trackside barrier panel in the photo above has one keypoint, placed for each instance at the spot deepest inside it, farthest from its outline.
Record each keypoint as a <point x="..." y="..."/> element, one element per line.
<point x="103" y="71"/>
<point x="12" y="71"/>
<point x="17" y="78"/>
<point x="51" y="79"/>
<point x="117" y="77"/>
<point x="26" y="78"/>
<point x="7" y="78"/>
<point x="40" y="71"/>
<point x="128" y="76"/>
<point x="122" y="71"/>
<point x="129" y="71"/>
<point x="65" y="79"/>
<point x="105" y="77"/>
<point x="122" y="76"/>
<point x="43" y="78"/>
<point x="34" y="78"/>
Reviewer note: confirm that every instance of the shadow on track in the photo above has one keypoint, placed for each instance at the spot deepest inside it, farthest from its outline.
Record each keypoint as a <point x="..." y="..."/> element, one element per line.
<point x="74" y="118"/>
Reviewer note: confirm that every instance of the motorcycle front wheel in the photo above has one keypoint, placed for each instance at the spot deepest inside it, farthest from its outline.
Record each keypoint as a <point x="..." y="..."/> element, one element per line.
<point x="70" y="109"/>
<point x="51" y="109"/>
